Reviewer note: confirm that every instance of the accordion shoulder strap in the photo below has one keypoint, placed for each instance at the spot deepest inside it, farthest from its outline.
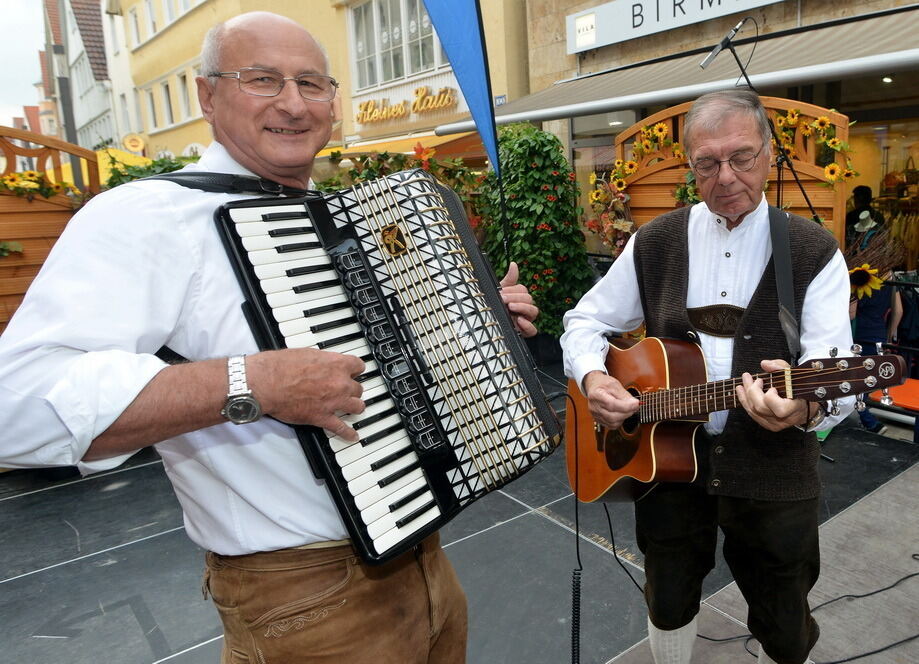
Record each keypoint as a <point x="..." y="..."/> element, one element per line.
<point x="226" y="183"/>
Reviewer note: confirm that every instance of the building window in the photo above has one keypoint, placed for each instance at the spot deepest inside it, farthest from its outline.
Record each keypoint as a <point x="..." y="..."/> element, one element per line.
<point x="393" y="39"/>
<point x="125" y="114"/>
<point x="113" y="31"/>
<point x="151" y="18"/>
<point x="184" y="99"/>
<point x="169" y="14"/>
<point x="184" y="5"/>
<point x="135" y="26"/>
<point x="138" y="122"/>
<point x="167" y="104"/>
<point x="151" y="110"/>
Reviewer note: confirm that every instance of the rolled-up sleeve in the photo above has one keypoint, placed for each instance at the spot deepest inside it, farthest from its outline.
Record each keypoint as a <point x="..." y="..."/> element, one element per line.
<point x="81" y="346"/>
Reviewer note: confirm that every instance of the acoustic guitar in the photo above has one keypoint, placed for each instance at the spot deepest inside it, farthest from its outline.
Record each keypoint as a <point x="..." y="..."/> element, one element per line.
<point x="658" y="443"/>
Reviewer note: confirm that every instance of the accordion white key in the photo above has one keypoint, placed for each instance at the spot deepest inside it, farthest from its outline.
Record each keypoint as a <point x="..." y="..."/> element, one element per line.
<point x="389" y="271"/>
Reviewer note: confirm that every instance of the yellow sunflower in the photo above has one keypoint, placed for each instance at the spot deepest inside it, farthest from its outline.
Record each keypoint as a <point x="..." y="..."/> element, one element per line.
<point x="646" y="145"/>
<point x="27" y="184"/>
<point x="596" y="196"/>
<point x="57" y="187"/>
<point x="848" y="174"/>
<point x="779" y="121"/>
<point x="11" y="179"/>
<point x="821" y="123"/>
<point x="592" y="179"/>
<point x="834" y="143"/>
<point x="619" y="184"/>
<point x="864" y="280"/>
<point x="630" y="167"/>
<point x="30" y="175"/>
<point x="619" y="163"/>
<point x="660" y="130"/>
<point x="806" y="130"/>
<point x="832" y="171"/>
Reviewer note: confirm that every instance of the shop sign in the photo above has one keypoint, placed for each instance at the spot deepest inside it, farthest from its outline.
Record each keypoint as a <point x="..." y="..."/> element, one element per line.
<point x="373" y="110"/>
<point x="621" y="20"/>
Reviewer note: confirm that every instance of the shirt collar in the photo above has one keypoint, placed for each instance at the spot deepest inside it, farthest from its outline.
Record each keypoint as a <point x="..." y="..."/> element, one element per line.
<point x="216" y="159"/>
<point x="758" y="216"/>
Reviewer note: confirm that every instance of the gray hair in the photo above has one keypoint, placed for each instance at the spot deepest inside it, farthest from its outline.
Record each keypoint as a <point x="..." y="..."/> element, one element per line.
<point x="213" y="44"/>
<point x="708" y="110"/>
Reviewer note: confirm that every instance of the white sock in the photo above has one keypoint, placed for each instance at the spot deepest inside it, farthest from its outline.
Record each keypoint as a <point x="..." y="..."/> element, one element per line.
<point x="766" y="659"/>
<point x="672" y="646"/>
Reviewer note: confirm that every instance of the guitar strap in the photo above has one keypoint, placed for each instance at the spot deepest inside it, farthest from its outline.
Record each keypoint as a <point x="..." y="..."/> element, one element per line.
<point x="781" y="254"/>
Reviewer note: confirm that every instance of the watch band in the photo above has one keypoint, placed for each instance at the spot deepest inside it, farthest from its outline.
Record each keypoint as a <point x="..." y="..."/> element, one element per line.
<point x="236" y="370"/>
<point x="815" y="420"/>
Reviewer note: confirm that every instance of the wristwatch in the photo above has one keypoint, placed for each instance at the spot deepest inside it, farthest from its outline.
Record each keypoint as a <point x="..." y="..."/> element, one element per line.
<point x="815" y="420"/>
<point x="241" y="407"/>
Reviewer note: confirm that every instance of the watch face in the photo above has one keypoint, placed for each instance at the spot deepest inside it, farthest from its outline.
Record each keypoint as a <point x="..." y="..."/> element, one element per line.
<point x="242" y="409"/>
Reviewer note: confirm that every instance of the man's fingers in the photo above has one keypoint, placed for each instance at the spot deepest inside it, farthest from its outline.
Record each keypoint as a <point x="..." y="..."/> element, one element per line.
<point x="513" y="273"/>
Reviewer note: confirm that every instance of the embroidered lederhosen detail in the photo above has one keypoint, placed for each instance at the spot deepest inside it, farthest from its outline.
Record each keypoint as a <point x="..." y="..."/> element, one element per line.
<point x="718" y="320"/>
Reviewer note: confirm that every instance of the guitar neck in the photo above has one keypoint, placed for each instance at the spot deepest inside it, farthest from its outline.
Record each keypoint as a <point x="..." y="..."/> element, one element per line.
<point x="705" y="398"/>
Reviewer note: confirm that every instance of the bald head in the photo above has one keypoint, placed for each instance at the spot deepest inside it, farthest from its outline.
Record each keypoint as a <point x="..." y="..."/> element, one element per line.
<point x="243" y="27"/>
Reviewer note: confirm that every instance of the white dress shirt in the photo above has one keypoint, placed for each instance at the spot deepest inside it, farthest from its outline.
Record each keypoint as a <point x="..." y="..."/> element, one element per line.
<point x="724" y="268"/>
<point x="139" y="267"/>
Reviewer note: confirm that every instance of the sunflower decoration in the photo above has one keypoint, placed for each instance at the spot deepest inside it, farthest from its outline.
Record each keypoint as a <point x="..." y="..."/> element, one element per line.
<point x="863" y="280"/>
<point x="832" y="172"/>
<point x="30" y="183"/>
<point x="611" y="220"/>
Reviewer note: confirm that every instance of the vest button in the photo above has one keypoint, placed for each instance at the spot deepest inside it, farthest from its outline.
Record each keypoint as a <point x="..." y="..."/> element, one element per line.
<point x="716" y="483"/>
<point x="747" y="337"/>
<point x="691" y="334"/>
<point x="719" y="450"/>
<point x="724" y="293"/>
<point x="727" y="254"/>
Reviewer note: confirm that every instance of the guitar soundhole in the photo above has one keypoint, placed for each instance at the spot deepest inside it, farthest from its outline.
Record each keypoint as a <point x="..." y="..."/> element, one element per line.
<point x="620" y="449"/>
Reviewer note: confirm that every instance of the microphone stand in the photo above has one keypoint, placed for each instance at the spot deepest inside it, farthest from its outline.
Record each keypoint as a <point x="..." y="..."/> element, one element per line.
<point x="781" y="158"/>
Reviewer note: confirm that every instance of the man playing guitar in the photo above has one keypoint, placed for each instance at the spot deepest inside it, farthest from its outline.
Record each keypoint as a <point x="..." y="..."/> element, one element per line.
<point x="704" y="274"/>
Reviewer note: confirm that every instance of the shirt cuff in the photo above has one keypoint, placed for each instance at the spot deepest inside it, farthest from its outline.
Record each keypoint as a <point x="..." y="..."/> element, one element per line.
<point x="96" y="388"/>
<point x="584" y="364"/>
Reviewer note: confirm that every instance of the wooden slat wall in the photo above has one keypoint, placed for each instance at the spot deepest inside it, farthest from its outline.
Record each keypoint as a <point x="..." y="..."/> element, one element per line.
<point x="36" y="225"/>
<point x="651" y="188"/>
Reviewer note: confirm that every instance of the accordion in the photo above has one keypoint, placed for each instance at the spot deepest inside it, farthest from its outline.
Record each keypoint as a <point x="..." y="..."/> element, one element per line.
<point x="390" y="271"/>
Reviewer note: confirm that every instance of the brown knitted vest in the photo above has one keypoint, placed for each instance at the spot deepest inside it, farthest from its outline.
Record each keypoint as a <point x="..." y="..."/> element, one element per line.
<point x="745" y="460"/>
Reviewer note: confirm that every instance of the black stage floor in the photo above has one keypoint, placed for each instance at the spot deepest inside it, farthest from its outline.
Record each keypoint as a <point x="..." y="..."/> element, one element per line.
<point x="99" y="569"/>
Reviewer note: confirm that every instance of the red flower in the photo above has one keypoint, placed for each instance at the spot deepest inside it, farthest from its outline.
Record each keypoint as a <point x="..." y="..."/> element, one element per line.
<point x="512" y="196"/>
<point x="561" y="259"/>
<point x="554" y="172"/>
<point x="572" y="176"/>
<point x="534" y="165"/>
<point x="534" y="288"/>
<point x="545" y="187"/>
<point x="536" y="276"/>
<point x="551" y="198"/>
<point x="548" y="270"/>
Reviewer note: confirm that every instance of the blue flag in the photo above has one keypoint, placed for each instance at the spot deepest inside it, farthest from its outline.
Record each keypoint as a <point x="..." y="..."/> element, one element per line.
<point x="458" y="24"/>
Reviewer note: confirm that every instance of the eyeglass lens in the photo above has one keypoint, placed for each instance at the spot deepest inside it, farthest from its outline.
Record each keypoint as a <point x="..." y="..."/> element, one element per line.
<point x="740" y="162"/>
<point x="265" y="83"/>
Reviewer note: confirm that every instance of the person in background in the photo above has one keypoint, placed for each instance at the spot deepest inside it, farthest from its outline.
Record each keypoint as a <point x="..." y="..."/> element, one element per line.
<point x="876" y="318"/>
<point x="758" y="477"/>
<point x="141" y="267"/>
<point x="862" y="221"/>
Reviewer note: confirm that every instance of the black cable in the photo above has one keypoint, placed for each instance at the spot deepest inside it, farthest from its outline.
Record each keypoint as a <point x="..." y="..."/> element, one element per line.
<point x="749" y="637"/>
<point x="752" y="51"/>
<point x="575" y="573"/>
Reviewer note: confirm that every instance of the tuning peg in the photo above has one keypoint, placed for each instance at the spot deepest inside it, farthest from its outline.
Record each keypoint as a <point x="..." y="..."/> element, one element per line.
<point x="886" y="399"/>
<point x="860" y="403"/>
<point x="880" y="347"/>
<point x="834" y="351"/>
<point x="856" y="349"/>
<point x="833" y="408"/>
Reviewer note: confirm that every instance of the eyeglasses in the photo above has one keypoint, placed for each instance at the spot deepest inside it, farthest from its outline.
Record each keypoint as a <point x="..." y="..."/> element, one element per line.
<point x="269" y="83"/>
<point x="740" y="162"/>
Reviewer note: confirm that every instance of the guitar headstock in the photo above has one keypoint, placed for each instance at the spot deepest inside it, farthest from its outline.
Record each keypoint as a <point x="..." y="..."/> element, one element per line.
<point x="837" y="377"/>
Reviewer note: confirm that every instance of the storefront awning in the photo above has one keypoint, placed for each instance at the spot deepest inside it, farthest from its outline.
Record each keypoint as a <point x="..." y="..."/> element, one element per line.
<point x="466" y="145"/>
<point x="883" y="43"/>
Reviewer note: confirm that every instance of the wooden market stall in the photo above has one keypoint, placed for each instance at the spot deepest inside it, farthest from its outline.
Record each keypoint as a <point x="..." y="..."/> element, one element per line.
<point x="34" y="222"/>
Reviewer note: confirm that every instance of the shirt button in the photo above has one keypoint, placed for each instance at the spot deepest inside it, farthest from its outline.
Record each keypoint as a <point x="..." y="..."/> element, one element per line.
<point x="716" y="483"/>
<point x="727" y="254"/>
<point x="724" y="293"/>
<point x="719" y="450"/>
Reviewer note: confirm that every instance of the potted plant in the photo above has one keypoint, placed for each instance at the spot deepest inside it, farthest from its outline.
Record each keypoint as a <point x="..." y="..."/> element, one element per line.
<point x="539" y="228"/>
